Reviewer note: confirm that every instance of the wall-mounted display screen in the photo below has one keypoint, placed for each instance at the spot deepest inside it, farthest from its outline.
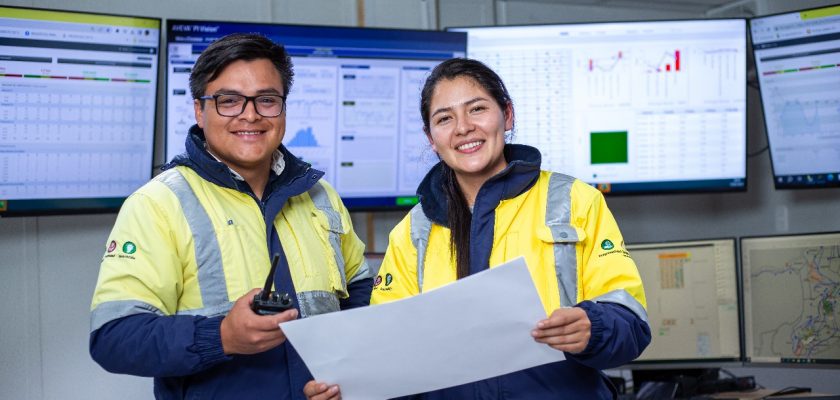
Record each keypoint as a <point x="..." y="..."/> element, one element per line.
<point x="77" y="109"/>
<point x="630" y="107"/>
<point x="797" y="58"/>
<point x="353" y="111"/>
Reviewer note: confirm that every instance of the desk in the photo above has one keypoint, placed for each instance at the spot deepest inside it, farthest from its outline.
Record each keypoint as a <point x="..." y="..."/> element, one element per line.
<point x="764" y="393"/>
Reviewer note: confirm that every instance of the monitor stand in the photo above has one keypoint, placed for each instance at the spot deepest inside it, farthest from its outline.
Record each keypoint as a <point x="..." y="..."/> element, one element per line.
<point x="675" y="383"/>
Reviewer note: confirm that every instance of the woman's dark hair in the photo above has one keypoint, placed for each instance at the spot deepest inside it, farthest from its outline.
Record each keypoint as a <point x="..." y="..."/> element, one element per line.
<point x="458" y="213"/>
<point x="458" y="67"/>
<point x="234" y="47"/>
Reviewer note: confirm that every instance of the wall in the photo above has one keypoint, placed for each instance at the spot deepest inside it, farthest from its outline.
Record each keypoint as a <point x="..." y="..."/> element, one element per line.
<point x="48" y="265"/>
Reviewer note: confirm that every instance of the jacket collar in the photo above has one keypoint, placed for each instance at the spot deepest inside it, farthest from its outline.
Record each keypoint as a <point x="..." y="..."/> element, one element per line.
<point x="197" y="158"/>
<point x="521" y="173"/>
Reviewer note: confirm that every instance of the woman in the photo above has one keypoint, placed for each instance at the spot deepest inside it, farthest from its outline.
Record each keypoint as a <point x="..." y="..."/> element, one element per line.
<point x="488" y="202"/>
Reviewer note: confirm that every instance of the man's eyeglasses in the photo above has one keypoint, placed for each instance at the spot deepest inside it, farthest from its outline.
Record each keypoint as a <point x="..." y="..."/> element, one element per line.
<point x="231" y="105"/>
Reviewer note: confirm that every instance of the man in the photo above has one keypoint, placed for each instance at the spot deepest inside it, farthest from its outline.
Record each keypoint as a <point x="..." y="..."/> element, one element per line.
<point x="190" y="249"/>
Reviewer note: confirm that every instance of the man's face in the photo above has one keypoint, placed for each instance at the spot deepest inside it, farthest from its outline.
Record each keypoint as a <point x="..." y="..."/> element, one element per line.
<point x="246" y="142"/>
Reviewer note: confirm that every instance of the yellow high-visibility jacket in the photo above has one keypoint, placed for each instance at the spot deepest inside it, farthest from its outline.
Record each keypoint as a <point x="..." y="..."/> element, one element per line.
<point x="191" y="242"/>
<point x="575" y="254"/>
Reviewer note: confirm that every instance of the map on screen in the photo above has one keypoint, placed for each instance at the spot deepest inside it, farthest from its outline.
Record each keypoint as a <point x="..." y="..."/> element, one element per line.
<point x="792" y="298"/>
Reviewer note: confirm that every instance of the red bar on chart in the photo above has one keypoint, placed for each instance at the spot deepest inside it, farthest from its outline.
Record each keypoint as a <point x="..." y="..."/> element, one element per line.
<point x="677" y="61"/>
<point x="667" y="67"/>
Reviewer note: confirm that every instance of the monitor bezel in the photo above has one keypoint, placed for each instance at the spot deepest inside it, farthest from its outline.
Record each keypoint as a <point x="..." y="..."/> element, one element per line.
<point x="776" y="184"/>
<point x="660" y="187"/>
<point x="84" y="205"/>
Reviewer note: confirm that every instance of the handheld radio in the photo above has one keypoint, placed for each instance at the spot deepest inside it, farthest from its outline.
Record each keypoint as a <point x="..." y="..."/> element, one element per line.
<point x="267" y="302"/>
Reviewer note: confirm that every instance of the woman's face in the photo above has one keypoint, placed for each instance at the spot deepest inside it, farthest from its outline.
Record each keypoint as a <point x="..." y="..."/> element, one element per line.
<point x="467" y="129"/>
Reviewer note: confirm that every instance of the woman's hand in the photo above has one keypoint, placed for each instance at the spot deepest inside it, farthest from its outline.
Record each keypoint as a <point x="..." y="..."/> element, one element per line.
<point x="567" y="329"/>
<point x="321" y="391"/>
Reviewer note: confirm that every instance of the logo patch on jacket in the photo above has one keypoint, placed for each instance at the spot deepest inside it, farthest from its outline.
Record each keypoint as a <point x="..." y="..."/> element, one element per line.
<point x="377" y="282"/>
<point x="112" y="246"/>
<point x="129" y="248"/>
<point x="609" y="248"/>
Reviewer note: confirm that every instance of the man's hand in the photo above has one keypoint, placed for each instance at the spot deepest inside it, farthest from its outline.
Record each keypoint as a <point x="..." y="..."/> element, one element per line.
<point x="321" y="391"/>
<point x="567" y="329"/>
<point x="245" y="332"/>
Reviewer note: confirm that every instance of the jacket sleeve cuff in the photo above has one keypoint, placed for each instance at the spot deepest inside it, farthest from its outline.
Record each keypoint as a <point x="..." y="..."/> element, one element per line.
<point x="208" y="341"/>
<point x="359" y="294"/>
<point x="596" y="338"/>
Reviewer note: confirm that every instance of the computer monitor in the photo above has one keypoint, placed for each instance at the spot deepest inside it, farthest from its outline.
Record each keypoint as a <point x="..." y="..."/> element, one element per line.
<point x="792" y="299"/>
<point x="630" y="107"/>
<point x="77" y="109"/>
<point x="353" y="111"/>
<point x="797" y="59"/>
<point x="692" y="303"/>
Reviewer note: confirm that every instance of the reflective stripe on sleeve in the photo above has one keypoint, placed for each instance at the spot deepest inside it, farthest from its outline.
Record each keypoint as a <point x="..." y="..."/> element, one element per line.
<point x="363" y="272"/>
<point x="421" y="228"/>
<point x="558" y="210"/>
<point x="322" y="202"/>
<point x="317" y="302"/>
<point x="209" y="312"/>
<point x="208" y="255"/>
<point x="621" y="296"/>
<point x="111" y="310"/>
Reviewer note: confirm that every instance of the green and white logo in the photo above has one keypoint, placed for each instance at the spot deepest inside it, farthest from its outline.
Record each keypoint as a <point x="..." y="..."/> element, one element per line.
<point x="129" y="248"/>
<point x="607" y="244"/>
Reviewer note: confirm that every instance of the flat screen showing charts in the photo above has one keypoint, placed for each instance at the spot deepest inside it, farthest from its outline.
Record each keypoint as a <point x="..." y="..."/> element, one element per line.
<point x="792" y="299"/>
<point x="77" y="109"/>
<point x="797" y="58"/>
<point x="692" y="297"/>
<point x="353" y="111"/>
<point x="629" y="107"/>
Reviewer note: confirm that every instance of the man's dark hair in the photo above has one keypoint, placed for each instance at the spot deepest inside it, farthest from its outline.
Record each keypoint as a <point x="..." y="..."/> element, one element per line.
<point x="234" y="47"/>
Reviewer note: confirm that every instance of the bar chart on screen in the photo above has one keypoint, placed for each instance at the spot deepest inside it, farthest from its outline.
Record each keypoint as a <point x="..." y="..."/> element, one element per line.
<point x="608" y="80"/>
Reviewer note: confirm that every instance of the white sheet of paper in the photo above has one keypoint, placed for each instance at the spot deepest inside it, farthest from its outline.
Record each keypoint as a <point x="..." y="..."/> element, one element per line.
<point x="475" y="328"/>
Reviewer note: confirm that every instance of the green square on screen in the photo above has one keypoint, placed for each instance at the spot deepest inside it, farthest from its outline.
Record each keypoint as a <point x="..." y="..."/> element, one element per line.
<point x="608" y="147"/>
